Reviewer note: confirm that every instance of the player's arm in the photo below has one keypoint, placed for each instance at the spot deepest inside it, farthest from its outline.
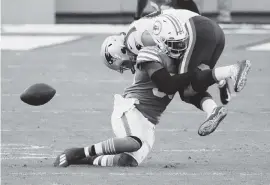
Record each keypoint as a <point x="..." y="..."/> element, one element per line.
<point x="141" y="4"/>
<point x="164" y="81"/>
<point x="149" y="61"/>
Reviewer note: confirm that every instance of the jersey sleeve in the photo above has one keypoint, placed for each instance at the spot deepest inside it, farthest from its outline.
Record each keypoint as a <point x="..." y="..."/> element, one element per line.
<point x="148" y="59"/>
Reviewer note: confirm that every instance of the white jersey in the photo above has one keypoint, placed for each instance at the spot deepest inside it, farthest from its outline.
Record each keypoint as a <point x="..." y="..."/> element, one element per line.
<point x="136" y="29"/>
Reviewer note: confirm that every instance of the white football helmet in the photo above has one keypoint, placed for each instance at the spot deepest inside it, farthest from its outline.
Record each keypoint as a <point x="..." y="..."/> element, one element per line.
<point x="115" y="55"/>
<point x="170" y="35"/>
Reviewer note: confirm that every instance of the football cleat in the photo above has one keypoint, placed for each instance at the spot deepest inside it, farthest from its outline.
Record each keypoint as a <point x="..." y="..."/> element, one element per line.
<point x="240" y="74"/>
<point x="68" y="157"/>
<point x="224" y="92"/>
<point x="212" y="122"/>
<point x="61" y="161"/>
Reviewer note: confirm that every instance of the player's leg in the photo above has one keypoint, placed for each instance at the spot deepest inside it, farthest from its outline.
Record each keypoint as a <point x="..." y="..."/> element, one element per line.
<point x="133" y="133"/>
<point x="215" y="113"/>
<point x="202" y="46"/>
<point x="123" y="142"/>
<point x="202" y="79"/>
<point x="223" y="85"/>
<point x="207" y="42"/>
<point x="200" y="50"/>
<point x="131" y="123"/>
<point x="87" y="154"/>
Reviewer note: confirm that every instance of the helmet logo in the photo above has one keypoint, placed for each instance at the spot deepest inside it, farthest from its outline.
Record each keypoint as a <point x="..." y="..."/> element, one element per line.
<point x="138" y="46"/>
<point x="108" y="56"/>
<point x="157" y="27"/>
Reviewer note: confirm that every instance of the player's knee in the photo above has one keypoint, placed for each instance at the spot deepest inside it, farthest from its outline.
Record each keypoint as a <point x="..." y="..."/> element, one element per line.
<point x="126" y="160"/>
<point x="197" y="99"/>
<point x="137" y="142"/>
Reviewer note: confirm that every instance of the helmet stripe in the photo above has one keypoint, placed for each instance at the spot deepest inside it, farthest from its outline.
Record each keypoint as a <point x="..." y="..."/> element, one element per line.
<point x="178" y="23"/>
<point x="175" y="22"/>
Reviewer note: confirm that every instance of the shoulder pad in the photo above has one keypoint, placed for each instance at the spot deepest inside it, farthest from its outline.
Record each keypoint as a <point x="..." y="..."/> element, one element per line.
<point x="149" y="54"/>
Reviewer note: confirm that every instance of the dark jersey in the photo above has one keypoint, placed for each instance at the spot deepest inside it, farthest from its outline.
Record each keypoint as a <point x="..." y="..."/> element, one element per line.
<point x="152" y="101"/>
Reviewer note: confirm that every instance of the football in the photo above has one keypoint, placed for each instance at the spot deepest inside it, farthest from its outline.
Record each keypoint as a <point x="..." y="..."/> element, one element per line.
<point x="38" y="94"/>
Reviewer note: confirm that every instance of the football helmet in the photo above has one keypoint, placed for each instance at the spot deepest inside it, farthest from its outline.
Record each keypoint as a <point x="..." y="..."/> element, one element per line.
<point x="170" y="35"/>
<point x="115" y="55"/>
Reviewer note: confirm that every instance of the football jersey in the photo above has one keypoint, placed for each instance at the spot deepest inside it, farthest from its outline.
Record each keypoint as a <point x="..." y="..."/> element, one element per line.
<point x="152" y="101"/>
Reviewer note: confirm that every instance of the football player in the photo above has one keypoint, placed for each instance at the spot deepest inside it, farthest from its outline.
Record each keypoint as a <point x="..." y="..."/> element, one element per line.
<point x="137" y="36"/>
<point x="137" y="111"/>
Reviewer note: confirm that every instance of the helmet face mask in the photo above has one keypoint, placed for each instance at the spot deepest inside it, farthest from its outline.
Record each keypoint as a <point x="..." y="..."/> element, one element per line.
<point x="176" y="48"/>
<point x="170" y="35"/>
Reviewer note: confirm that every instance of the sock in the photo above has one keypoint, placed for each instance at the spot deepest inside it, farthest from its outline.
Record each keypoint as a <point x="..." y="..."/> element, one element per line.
<point x="115" y="160"/>
<point x="208" y="105"/>
<point x="221" y="73"/>
<point x="113" y="146"/>
<point x="106" y="160"/>
<point x="84" y="161"/>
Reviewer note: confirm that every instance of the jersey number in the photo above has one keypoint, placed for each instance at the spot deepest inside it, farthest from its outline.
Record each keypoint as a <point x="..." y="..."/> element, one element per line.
<point x="159" y="94"/>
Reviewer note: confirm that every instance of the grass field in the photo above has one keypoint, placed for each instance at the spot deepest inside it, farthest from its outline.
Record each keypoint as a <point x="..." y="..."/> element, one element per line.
<point x="237" y="153"/>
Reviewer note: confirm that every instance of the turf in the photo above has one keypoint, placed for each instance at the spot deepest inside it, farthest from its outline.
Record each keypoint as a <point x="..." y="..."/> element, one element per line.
<point x="237" y="153"/>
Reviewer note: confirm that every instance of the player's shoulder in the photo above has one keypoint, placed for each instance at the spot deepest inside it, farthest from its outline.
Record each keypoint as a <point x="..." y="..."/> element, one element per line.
<point x="149" y="54"/>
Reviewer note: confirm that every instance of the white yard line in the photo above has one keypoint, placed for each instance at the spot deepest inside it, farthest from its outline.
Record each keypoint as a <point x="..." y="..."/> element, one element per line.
<point x="260" y="47"/>
<point x="65" y="28"/>
<point x="192" y="150"/>
<point x="24" y="43"/>
<point x="26" y="157"/>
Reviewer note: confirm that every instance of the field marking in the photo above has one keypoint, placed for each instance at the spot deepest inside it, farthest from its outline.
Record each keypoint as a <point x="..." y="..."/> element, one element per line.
<point x="192" y="150"/>
<point x="260" y="47"/>
<point x="25" y="148"/>
<point x="25" y="43"/>
<point x="27" y="157"/>
<point x="65" y="28"/>
<point x="214" y="173"/>
<point x="20" y="152"/>
<point x="112" y="29"/>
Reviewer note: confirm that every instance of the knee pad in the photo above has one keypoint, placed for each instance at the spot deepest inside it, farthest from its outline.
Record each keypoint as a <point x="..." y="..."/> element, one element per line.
<point x="126" y="160"/>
